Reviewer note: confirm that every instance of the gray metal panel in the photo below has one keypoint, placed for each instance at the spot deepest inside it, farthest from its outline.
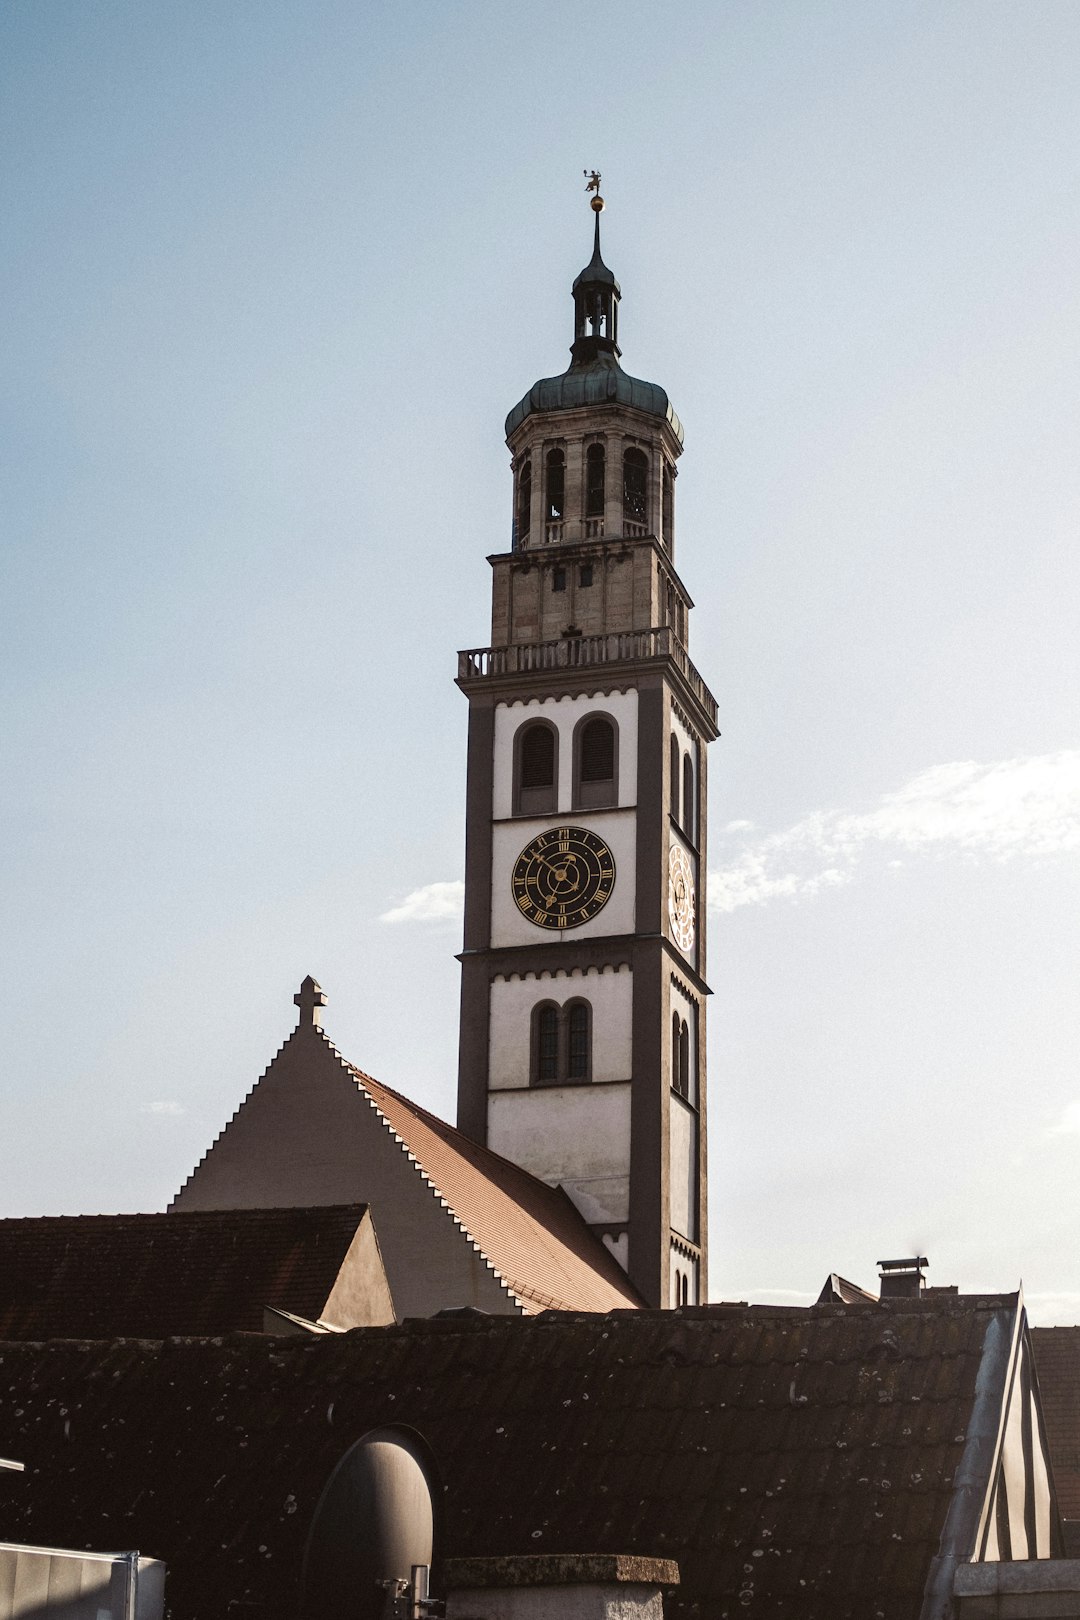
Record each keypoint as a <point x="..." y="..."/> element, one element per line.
<point x="46" y="1581"/>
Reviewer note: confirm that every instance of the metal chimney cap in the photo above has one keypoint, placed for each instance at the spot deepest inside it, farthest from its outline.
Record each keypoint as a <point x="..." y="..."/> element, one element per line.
<point x="915" y="1262"/>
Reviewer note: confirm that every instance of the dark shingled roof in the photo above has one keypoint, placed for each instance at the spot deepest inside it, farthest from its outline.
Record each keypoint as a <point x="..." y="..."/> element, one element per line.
<point x="795" y="1462"/>
<point x="1057" y="1363"/>
<point x="150" y="1276"/>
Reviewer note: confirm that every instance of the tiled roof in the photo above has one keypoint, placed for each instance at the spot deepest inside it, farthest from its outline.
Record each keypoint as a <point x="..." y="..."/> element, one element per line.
<point x="532" y="1234"/>
<point x="150" y="1276"/>
<point x="1057" y="1363"/>
<point x="796" y="1463"/>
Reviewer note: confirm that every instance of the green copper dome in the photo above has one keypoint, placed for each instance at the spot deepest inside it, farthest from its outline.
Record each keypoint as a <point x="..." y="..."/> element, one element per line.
<point x="599" y="381"/>
<point x="595" y="376"/>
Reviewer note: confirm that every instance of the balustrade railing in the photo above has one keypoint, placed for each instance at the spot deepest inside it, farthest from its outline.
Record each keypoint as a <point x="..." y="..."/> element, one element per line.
<point x="582" y="652"/>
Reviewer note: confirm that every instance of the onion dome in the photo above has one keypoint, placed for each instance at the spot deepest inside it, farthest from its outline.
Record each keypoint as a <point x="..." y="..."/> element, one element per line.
<point x="595" y="376"/>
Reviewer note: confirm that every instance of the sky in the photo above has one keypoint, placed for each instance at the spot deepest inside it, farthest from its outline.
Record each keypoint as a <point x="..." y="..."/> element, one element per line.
<point x="274" y="274"/>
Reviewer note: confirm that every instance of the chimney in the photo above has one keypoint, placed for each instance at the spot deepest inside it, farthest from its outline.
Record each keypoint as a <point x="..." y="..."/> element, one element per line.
<point x="903" y="1279"/>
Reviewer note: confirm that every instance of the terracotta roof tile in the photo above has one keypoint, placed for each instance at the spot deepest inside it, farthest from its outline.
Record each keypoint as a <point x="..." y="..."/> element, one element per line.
<point x="149" y="1276"/>
<point x="531" y="1233"/>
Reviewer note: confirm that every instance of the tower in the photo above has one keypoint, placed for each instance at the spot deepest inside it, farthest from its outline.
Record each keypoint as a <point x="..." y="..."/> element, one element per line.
<point x="582" y="1049"/>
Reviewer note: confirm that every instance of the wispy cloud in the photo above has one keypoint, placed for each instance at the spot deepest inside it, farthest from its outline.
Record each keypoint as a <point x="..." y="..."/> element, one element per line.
<point x="999" y="811"/>
<point x="435" y="902"/>
<point x="1069" y="1122"/>
<point x="163" y="1107"/>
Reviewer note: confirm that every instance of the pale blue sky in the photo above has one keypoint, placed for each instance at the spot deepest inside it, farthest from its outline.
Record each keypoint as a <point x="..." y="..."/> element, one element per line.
<point x="274" y="275"/>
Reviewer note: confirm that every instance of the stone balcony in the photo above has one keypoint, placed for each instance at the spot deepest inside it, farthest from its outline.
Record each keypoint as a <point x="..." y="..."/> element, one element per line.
<point x="478" y="664"/>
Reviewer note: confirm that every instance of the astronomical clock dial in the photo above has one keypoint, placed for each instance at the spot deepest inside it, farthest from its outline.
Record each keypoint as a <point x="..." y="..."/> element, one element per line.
<point x="680" y="902"/>
<point x="563" y="878"/>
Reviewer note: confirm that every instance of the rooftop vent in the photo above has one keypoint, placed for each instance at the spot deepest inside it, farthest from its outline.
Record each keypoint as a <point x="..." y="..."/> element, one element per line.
<point x="903" y="1279"/>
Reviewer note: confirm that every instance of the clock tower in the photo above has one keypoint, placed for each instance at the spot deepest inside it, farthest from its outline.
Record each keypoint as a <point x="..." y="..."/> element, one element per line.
<point x="583" y="999"/>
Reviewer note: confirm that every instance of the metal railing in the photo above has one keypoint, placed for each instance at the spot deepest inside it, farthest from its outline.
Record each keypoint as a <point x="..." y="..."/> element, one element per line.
<point x="583" y="652"/>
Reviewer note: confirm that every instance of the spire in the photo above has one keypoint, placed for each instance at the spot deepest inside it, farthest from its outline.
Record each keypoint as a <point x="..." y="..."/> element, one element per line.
<point x="596" y="295"/>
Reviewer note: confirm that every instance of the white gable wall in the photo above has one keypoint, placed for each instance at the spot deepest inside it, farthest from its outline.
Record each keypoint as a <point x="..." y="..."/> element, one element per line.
<point x="307" y="1134"/>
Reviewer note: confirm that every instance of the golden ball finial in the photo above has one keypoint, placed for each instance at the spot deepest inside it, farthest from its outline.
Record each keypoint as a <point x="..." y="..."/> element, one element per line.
<point x="597" y="204"/>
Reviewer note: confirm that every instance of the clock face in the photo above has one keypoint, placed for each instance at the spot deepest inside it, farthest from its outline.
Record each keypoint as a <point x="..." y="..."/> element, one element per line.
<point x="563" y="878"/>
<point x="680" y="902"/>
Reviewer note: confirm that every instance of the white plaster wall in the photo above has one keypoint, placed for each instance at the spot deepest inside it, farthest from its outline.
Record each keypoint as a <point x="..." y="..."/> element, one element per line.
<point x="609" y="991"/>
<point x="619" y="1247"/>
<point x="685" y="1008"/>
<point x="679" y="1262"/>
<point x="683" y="1168"/>
<point x="564" y="713"/>
<point x="578" y="1136"/>
<point x="616" y="827"/>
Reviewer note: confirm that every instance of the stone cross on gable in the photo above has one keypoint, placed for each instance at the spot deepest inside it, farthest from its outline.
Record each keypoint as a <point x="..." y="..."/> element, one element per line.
<point x="311" y="1001"/>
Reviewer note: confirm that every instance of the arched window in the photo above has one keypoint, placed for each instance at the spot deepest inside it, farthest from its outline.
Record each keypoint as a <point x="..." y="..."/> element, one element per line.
<point x="674" y="784"/>
<point x="536" y="769"/>
<point x="635" y="484"/>
<point x="683" y="1084"/>
<point x="561" y="1044"/>
<point x="594" y="481"/>
<point x="556" y="486"/>
<point x="675" y="1023"/>
<point x="595" y="763"/>
<point x="684" y="1296"/>
<point x="669" y="505"/>
<point x="689" y="803"/>
<point x="545" y="1066"/>
<point x="524" y="501"/>
<point x="577" y="1040"/>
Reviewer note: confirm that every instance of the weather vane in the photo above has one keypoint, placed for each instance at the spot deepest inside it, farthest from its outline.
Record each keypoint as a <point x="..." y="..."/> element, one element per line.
<point x="592" y="178"/>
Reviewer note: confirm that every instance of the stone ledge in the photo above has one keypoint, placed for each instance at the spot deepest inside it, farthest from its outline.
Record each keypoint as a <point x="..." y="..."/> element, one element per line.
<point x="559" y="1569"/>
<point x="1021" y="1576"/>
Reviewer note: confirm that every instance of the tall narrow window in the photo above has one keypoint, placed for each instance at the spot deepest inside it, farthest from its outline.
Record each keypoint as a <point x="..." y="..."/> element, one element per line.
<point x="676" y="1022"/>
<point x="524" y="501"/>
<point x="546" y="1039"/>
<point x="635" y="482"/>
<point x="689" y="802"/>
<point x="669" y="505"/>
<point x="684" y="1296"/>
<point x="577" y="1041"/>
<point x="537" y="769"/>
<point x="556" y="486"/>
<point x="683" y="1086"/>
<point x="674" y="784"/>
<point x="594" y="481"/>
<point x="595" y="763"/>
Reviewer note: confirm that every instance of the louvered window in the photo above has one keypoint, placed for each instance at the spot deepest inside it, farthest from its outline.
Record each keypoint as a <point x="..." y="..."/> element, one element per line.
<point x="538" y="757"/>
<point x="598" y="751"/>
<point x="689" y="800"/>
<point x="674" y="785"/>
<point x="595" y="765"/>
<point x="536" y="770"/>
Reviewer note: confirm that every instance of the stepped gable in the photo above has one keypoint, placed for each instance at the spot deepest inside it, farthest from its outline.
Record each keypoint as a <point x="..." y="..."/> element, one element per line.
<point x="531" y="1233"/>
<point x="151" y="1276"/>
<point x="795" y="1462"/>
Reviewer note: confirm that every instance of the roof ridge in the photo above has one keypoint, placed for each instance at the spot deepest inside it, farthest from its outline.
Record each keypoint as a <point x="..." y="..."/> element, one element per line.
<point x="365" y="1080"/>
